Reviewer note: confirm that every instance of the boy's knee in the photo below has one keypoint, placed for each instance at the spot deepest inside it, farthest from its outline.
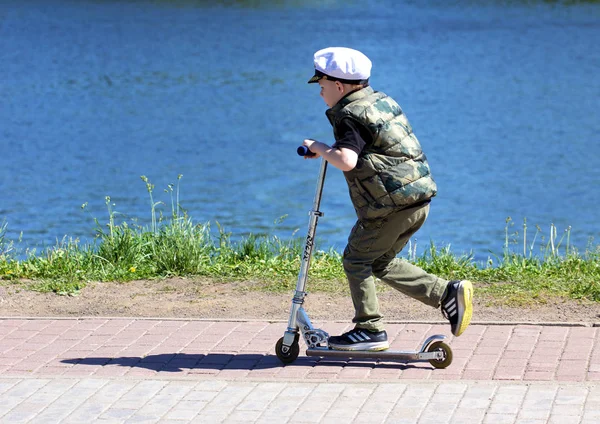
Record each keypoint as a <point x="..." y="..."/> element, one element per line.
<point x="379" y="271"/>
<point x="382" y="266"/>
<point x="354" y="267"/>
<point x="348" y="259"/>
<point x="347" y="264"/>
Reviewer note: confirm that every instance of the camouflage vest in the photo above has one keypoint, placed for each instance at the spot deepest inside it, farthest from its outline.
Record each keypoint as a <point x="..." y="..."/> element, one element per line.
<point x="392" y="171"/>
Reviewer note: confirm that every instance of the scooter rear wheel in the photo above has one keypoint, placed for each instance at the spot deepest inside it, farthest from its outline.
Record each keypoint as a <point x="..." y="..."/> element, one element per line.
<point x="291" y="354"/>
<point x="440" y="346"/>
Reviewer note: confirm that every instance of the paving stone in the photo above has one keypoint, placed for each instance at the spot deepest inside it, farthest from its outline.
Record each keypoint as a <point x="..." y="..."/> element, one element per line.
<point x="137" y="370"/>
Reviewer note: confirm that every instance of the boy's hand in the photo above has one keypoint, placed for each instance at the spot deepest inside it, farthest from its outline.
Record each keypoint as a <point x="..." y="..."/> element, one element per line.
<point x="308" y="143"/>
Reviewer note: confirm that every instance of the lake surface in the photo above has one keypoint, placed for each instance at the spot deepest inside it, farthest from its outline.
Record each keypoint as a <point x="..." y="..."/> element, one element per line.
<point x="504" y="97"/>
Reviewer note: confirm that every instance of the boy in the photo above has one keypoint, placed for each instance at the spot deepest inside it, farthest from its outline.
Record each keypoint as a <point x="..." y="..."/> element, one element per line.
<point x="390" y="186"/>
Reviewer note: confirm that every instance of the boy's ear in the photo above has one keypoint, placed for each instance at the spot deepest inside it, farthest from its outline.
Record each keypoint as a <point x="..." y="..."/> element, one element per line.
<point x="339" y="86"/>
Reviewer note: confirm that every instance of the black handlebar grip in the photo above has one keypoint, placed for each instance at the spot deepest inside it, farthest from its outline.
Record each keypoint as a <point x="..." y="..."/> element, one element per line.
<point x="304" y="151"/>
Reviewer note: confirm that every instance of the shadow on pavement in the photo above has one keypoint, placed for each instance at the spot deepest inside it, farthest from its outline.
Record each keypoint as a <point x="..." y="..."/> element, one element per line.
<point x="177" y="362"/>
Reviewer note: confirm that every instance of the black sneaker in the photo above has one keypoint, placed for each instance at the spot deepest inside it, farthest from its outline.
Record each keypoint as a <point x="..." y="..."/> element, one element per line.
<point x="360" y="339"/>
<point x="457" y="306"/>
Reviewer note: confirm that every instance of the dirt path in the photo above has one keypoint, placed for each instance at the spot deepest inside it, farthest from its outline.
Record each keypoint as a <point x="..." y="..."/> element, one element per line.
<point x="201" y="298"/>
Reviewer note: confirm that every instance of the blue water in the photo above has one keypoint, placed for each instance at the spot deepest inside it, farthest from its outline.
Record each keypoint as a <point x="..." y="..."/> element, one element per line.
<point x="504" y="97"/>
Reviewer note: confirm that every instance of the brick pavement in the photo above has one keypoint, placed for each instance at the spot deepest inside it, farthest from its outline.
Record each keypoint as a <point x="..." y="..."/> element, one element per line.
<point x="151" y="370"/>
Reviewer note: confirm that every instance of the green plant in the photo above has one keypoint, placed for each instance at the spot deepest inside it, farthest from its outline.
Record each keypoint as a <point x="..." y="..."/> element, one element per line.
<point x="528" y="269"/>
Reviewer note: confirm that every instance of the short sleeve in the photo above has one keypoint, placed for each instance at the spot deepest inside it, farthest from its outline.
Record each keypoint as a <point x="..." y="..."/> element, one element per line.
<point x="351" y="136"/>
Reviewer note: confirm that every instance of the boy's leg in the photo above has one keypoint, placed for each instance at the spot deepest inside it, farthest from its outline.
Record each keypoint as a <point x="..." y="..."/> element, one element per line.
<point x="414" y="282"/>
<point x="402" y="275"/>
<point x="456" y="297"/>
<point x="368" y="333"/>
<point x="377" y="243"/>
<point x="372" y="247"/>
<point x="363" y="292"/>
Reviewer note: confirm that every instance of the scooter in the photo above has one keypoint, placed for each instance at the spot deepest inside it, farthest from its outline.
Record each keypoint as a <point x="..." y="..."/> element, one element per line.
<point x="287" y="349"/>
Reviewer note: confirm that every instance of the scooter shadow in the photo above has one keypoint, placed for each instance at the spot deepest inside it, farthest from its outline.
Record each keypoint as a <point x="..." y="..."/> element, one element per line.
<point x="178" y="362"/>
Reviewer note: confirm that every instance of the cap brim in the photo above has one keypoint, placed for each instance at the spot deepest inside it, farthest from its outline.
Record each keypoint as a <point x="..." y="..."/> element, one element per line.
<point x="315" y="78"/>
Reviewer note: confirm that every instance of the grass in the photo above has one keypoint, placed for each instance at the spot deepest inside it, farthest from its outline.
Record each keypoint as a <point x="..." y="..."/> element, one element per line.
<point x="531" y="268"/>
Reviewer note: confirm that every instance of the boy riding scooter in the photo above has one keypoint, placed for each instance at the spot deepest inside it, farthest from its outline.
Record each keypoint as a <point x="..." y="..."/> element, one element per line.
<point x="391" y="188"/>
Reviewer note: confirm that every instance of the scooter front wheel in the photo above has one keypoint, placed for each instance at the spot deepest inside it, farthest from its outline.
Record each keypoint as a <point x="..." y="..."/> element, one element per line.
<point x="291" y="354"/>
<point x="447" y="353"/>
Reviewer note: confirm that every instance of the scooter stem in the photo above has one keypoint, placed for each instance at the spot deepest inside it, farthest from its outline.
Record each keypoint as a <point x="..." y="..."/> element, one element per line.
<point x="314" y="214"/>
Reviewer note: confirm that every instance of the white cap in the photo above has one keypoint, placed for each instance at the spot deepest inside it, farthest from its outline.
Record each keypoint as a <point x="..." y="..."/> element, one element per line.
<point x="341" y="64"/>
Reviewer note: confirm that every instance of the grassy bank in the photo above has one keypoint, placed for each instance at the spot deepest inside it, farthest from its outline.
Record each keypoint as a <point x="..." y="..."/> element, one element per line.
<point x="531" y="267"/>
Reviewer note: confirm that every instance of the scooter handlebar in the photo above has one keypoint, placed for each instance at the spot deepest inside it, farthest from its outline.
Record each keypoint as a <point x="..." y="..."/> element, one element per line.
<point x="304" y="151"/>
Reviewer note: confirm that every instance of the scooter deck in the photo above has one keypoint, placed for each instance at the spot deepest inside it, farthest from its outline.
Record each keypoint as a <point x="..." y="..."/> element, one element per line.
<point x="388" y="355"/>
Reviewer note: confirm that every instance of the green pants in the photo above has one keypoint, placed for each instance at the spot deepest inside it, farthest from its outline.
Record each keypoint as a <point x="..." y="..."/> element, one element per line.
<point x="371" y="251"/>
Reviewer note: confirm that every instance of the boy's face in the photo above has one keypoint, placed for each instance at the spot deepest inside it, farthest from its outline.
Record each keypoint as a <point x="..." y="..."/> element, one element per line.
<point x="331" y="91"/>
